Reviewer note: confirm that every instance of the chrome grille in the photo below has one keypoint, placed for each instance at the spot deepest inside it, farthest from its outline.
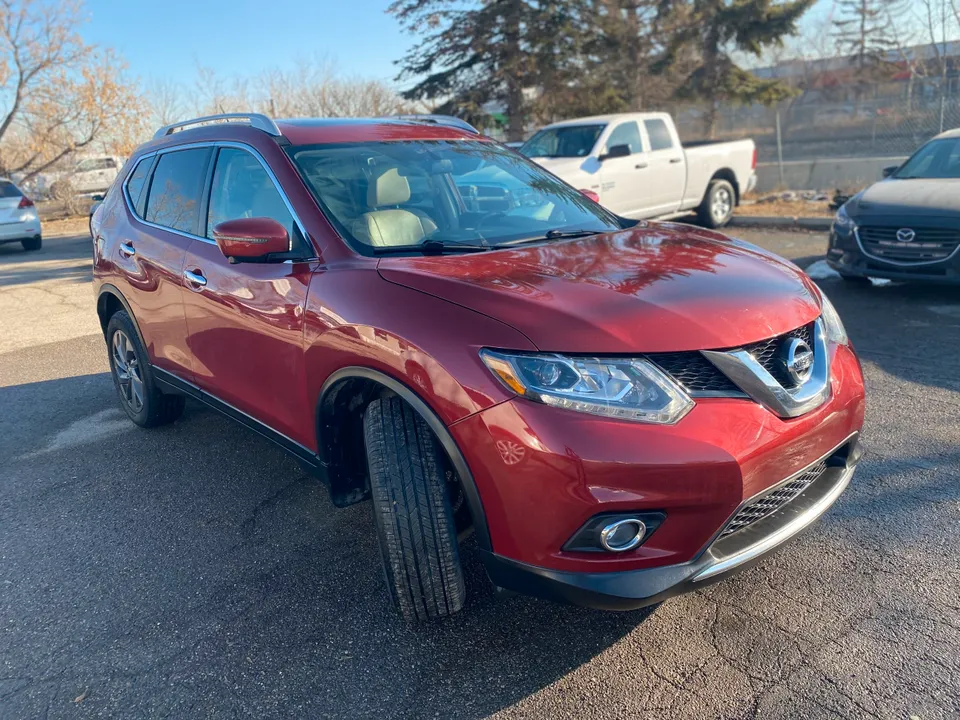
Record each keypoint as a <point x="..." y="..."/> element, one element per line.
<point x="768" y="353"/>
<point x="928" y="245"/>
<point x="770" y="502"/>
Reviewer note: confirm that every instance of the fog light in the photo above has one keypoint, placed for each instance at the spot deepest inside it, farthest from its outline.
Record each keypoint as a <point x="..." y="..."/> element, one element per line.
<point x="622" y="535"/>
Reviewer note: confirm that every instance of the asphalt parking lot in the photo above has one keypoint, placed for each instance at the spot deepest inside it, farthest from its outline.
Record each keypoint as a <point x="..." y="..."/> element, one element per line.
<point x="195" y="571"/>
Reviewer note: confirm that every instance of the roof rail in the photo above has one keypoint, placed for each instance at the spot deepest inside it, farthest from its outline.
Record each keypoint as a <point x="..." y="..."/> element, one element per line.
<point x="448" y="120"/>
<point x="261" y="122"/>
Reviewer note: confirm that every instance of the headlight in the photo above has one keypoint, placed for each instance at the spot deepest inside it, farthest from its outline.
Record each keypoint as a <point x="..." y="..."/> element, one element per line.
<point x="842" y="222"/>
<point x="832" y="324"/>
<point x="626" y="388"/>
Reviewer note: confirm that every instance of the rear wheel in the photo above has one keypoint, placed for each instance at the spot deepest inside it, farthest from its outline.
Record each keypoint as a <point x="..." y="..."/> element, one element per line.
<point x="412" y="511"/>
<point x="718" y="203"/>
<point x="140" y="398"/>
<point x="31" y="244"/>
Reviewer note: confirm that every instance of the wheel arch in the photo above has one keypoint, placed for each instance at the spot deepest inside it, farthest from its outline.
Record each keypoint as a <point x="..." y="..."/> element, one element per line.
<point x="109" y="301"/>
<point x="339" y="424"/>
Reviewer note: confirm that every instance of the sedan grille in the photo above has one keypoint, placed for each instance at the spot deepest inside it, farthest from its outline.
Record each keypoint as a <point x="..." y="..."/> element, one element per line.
<point x="926" y="245"/>
<point x="759" y="507"/>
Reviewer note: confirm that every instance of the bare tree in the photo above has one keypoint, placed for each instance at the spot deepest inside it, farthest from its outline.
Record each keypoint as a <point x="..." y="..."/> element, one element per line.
<point x="58" y="94"/>
<point x="167" y="100"/>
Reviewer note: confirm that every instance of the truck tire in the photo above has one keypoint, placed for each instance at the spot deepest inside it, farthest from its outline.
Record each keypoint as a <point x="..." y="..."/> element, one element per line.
<point x="717" y="207"/>
<point x="140" y="398"/>
<point x="412" y="512"/>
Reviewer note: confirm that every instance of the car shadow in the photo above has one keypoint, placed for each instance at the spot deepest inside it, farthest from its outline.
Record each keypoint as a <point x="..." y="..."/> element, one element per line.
<point x="200" y="551"/>
<point x="61" y="258"/>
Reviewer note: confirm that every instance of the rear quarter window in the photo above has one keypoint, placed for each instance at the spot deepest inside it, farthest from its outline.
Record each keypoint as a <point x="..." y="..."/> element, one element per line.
<point x="8" y="189"/>
<point x="136" y="181"/>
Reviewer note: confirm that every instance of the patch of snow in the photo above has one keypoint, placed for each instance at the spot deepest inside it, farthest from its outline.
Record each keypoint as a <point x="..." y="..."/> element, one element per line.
<point x="819" y="270"/>
<point x="87" y="430"/>
<point x="880" y="282"/>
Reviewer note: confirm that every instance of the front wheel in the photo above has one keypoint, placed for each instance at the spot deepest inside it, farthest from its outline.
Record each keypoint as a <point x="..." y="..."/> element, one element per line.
<point x="718" y="203"/>
<point x="412" y="511"/>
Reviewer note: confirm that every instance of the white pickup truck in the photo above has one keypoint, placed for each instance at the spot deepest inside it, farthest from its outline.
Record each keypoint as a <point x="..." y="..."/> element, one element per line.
<point x="635" y="164"/>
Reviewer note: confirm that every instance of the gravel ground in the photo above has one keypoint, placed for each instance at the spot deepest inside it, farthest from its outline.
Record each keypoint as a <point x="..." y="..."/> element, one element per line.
<point x="194" y="571"/>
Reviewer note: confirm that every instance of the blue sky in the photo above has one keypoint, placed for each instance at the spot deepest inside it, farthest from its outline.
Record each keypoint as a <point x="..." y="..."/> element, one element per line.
<point x="242" y="37"/>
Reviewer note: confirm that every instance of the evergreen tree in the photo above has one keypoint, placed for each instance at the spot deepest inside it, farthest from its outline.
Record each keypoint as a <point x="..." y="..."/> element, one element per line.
<point x="491" y="50"/>
<point x="714" y="30"/>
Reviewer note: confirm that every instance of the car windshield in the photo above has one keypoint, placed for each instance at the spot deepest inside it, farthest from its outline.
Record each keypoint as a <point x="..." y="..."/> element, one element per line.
<point x="566" y="141"/>
<point x="939" y="159"/>
<point x="440" y="192"/>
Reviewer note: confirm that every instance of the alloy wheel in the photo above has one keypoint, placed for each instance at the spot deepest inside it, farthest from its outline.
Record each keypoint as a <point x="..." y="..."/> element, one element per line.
<point x="126" y="367"/>
<point x="722" y="204"/>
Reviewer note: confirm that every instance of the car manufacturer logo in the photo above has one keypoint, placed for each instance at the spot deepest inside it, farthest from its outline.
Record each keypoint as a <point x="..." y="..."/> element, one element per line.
<point x="905" y="235"/>
<point x="798" y="360"/>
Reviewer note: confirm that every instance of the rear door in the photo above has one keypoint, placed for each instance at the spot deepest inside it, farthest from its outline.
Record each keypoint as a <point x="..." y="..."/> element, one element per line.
<point x="245" y="320"/>
<point x="667" y="165"/>
<point x="624" y="179"/>
<point x="163" y="194"/>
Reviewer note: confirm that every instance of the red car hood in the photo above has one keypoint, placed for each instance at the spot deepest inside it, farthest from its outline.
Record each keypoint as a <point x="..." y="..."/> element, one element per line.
<point x="658" y="288"/>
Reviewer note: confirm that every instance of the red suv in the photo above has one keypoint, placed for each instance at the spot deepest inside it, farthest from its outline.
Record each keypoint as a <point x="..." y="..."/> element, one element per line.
<point x="618" y="410"/>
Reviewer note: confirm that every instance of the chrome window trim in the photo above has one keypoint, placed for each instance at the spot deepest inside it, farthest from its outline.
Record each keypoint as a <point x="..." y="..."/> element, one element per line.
<point x="214" y="144"/>
<point x="900" y="263"/>
<point x="750" y="376"/>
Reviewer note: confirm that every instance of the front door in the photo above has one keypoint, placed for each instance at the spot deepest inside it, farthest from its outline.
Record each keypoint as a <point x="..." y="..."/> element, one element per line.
<point x="245" y="320"/>
<point x="623" y="179"/>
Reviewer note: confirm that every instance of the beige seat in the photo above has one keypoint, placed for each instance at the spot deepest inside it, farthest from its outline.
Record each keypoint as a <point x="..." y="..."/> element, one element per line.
<point x="391" y="226"/>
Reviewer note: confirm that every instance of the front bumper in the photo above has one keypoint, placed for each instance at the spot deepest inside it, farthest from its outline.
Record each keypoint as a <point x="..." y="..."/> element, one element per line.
<point x="847" y="257"/>
<point x="629" y="590"/>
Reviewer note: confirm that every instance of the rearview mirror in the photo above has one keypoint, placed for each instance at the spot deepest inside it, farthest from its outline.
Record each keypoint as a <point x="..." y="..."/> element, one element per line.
<point x="251" y="238"/>
<point x="617" y="151"/>
<point x="888" y="171"/>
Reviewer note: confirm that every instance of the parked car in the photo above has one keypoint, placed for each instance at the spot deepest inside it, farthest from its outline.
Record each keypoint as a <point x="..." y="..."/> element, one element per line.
<point x="907" y="226"/>
<point x="637" y="166"/>
<point x="19" y="221"/>
<point x="617" y="411"/>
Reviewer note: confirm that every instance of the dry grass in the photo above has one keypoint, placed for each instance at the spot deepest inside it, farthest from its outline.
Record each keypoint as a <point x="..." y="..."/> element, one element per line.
<point x="77" y="225"/>
<point x="787" y="208"/>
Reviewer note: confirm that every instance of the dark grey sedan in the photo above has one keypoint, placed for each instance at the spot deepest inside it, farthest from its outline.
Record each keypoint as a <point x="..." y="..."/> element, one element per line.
<point x="907" y="226"/>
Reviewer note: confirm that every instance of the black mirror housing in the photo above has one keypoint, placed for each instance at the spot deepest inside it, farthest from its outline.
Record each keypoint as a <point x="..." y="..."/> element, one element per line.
<point x="890" y="170"/>
<point x="617" y="151"/>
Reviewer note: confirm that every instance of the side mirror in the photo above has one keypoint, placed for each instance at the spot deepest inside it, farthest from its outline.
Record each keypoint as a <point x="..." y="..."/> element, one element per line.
<point x="251" y="238"/>
<point x="617" y="151"/>
<point x="888" y="171"/>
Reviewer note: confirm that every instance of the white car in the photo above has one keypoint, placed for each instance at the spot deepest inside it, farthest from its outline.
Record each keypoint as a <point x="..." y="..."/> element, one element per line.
<point x="19" y="221"/>
<point x="637" y="167"/>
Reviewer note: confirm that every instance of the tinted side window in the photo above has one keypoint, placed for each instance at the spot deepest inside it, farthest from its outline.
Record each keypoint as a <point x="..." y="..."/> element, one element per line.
<point x="626" y="134"/>
<point x="659" y="134"/>
<point x="136" y="180"/>
<point x="176" y="188"/>
<point x="242" y="189"/>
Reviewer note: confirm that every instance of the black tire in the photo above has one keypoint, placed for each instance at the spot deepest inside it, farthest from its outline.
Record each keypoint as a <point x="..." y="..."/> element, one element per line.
<point x="716" y="190"/>
<point x="412" y="512"/>
<point x="32" y="244"/>
<point x="154" y="407"/>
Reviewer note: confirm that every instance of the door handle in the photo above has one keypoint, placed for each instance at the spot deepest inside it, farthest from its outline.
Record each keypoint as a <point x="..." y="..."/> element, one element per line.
<point x="675" y="160"/>
<point x="195" y="280"/>
<point x="640" y="166"/>
<point x="127" y="250"/>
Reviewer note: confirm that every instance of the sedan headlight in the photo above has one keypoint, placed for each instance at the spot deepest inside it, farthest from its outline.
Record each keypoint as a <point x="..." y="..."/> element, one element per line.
<point x="626" y="388"/>
<point x="842" y="222"/>
<point x="832" y="324"/>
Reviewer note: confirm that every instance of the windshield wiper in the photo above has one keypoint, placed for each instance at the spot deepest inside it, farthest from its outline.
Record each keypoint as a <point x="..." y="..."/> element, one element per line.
<point x="430" y="247"/>
<point x="550" y="235"/>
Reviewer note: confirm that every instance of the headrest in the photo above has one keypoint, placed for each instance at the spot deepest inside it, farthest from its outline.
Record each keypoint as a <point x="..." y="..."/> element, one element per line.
<point x="391" y="188"/>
